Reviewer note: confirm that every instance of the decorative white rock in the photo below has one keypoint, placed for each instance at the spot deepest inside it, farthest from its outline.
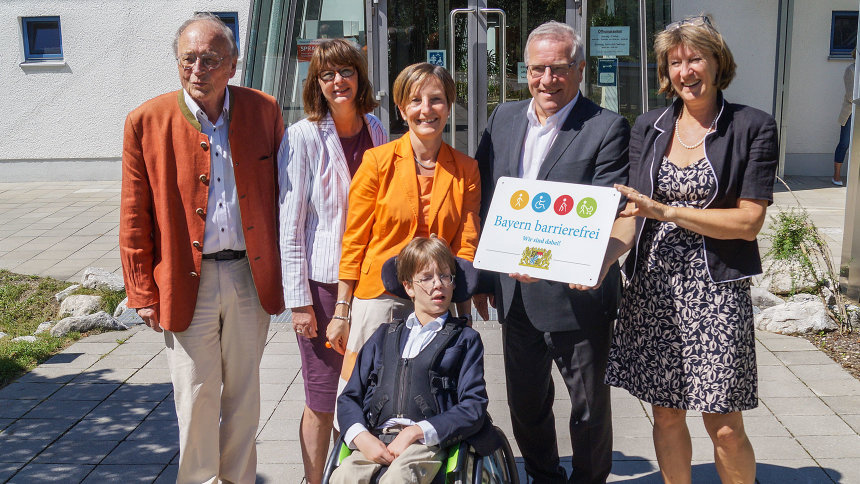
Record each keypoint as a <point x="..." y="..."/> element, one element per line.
<point x="66" y="292"/>
<point x="98" y="278"/>
<point x="82" y="324"/>
<point x="120" y="308"/>
<point x="763" y="299"/>
<point x="79" y="305"/>
<point x="28" y="338"/>
<point x="44" y="327"/>
<point x="803" y="313"/>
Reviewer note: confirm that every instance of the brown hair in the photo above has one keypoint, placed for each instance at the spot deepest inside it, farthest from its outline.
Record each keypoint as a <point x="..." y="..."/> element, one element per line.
<point x="419" y="253"/>
<point x="416" y="75"/>
<point x="699" y="36"/>
<point x="330" y="53"/>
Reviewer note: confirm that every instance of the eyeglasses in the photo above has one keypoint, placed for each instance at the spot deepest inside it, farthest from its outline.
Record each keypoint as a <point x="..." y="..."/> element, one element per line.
<point x="208" y="61"/>
<point x="561" y="70"/>
<point x="327" y="76"/>
<point x="694" y="21"/>
<point x="428" y="281"/>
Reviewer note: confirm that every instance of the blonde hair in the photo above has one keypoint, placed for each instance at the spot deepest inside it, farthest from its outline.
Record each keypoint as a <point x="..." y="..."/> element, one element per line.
<point x="699" y="36"/>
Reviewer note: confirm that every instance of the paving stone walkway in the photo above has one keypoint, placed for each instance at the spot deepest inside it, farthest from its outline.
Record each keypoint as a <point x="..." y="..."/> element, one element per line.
<point x="102" y="410"/>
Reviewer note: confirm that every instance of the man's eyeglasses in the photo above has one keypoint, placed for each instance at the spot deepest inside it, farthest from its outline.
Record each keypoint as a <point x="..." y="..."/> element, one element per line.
<point x="327" y="76"/>
<point x="561" y="70"/>
<point x="694" y="21"/>
<point x="208" y="61"/>
<point x="428" y="281"/>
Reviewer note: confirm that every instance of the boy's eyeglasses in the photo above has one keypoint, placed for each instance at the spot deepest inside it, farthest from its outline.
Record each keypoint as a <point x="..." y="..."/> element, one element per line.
<point x="327" y="76"/>
<point x="695" y="21"/>
<point x="427" y="282"/>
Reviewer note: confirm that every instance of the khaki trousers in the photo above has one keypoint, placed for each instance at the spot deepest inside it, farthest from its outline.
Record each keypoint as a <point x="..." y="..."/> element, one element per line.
<point x="215" y="369"/>
<point x="417" y="465"/>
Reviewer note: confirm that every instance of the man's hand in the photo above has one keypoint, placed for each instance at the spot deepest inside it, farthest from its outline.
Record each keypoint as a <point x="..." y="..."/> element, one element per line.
<point x="304" y="321"/>
<point x="149" y="315"/>
<point x="404" y="439"/>
<point x="480" y="301"/>
<point x="373" y="448"/>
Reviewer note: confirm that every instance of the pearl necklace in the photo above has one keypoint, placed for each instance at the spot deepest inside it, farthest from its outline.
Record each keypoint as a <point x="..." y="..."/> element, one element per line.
<point x="685" y="145"/>
<point x="422" y="165"/>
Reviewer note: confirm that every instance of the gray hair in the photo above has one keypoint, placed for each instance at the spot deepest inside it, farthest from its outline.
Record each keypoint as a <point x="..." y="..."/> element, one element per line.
<point x="557" y="31"/>
<point x="214" y="20"/>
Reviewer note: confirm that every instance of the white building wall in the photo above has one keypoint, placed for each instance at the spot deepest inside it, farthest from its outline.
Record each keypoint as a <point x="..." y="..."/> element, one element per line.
<point x="750" y="30"/>
<point x="815" y="90"/>
<point x="117" y="55"/>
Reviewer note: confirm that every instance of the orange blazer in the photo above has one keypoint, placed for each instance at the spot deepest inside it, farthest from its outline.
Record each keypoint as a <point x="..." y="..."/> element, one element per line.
<point x="383" y="210"/>
<point x="165" y="189"/>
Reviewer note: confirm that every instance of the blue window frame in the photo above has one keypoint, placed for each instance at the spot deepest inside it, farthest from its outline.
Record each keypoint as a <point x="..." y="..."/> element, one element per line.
<point x="42" y="39"/>
<point x="843" y="32"/>
<point x="231" y="19"/>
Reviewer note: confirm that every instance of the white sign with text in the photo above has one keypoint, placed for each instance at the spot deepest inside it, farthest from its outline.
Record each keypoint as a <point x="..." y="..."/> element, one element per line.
<point x="548" y="230"/>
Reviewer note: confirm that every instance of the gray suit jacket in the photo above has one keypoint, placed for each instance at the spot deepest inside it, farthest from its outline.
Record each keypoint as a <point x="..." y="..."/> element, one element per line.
<point x="590" y="149"/>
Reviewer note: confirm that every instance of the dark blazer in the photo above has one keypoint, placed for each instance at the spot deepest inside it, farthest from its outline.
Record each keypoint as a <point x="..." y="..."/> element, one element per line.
<point x="590" y="149"/>
<point x="463" y="360"/>
<point x="743" y="153"/>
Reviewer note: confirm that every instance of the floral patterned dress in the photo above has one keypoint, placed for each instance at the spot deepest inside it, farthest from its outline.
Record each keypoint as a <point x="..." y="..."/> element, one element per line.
<point x="681" y="340"/>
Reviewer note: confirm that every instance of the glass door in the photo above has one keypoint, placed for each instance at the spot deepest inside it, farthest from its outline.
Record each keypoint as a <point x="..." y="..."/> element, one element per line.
<point x="480" y="42"/>
<point x="619" y="35"/>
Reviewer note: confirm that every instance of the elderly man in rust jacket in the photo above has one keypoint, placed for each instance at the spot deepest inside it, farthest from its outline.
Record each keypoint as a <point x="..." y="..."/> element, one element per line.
<point x="199" y="245"/>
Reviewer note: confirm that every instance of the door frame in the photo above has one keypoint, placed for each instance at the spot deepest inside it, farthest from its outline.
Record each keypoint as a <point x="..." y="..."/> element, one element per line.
<point x="376" y="15"/>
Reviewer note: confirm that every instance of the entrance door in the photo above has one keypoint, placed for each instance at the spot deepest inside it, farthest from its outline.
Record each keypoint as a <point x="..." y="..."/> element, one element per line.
<point x="480" y="42"/>
<point x="618" y="37"/>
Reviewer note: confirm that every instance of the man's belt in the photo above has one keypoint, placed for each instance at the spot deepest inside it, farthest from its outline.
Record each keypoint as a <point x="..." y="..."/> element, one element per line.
<point x="226" y="254"/>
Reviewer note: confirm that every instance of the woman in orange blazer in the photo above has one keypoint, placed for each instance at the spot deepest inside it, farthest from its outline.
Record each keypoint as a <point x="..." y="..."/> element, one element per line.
<point x="412" y="187"/>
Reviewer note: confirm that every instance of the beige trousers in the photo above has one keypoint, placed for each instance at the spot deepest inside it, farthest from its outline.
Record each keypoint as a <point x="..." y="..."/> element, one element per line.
<point x="215" y="369"/>
<point x="417" y="465"/>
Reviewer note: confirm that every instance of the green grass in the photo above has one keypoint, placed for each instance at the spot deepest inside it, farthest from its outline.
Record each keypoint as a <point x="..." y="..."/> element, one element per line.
<point x="26" y="302"/>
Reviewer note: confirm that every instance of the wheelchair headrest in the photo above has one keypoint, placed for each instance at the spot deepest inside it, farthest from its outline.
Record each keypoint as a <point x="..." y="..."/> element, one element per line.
<point x="465" y="280"/>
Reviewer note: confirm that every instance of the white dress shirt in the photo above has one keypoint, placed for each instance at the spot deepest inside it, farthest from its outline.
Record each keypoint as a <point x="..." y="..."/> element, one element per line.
<point x="223" y="220"/>
<point x="540" y="137"/>
<point x="418" y="339"/>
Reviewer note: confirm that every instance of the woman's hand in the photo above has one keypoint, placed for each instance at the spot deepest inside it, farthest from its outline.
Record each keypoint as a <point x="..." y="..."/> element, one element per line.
<point x="337" y="334"/>
<point x="304" y="321"/>
<point x="524" y="278"/>
<point x="640" y="205"/>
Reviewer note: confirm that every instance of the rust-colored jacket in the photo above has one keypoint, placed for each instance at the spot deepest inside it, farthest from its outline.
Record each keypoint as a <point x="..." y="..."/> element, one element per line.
<point x="165" y="190"/>
<point x="383" y="210"/>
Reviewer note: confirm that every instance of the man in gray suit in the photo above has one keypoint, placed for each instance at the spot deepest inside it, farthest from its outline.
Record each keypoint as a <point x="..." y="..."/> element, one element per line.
<point x="558" y="135"/>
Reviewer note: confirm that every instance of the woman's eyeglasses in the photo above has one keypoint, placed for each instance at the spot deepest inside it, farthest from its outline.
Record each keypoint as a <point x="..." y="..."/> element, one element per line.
<point x="694" y="21"/>
<point x="327" y="76"/>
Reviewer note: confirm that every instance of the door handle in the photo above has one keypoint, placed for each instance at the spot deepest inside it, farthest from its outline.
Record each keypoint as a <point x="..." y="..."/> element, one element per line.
<point x="503" y="59"/>
<point x="452" y="14"/>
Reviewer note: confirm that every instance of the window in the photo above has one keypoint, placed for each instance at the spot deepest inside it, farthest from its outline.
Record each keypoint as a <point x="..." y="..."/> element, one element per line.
<point x="231" y="19"/>
<point x="42" y="39"/>
<point x="843" y="33"/>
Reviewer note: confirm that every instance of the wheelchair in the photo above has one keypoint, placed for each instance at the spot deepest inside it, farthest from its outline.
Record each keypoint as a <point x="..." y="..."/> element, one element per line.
<point x="462" y="466"/>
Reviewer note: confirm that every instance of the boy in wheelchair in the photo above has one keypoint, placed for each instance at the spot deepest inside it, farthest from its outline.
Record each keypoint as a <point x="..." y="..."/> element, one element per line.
<point x="418" y="385"/>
